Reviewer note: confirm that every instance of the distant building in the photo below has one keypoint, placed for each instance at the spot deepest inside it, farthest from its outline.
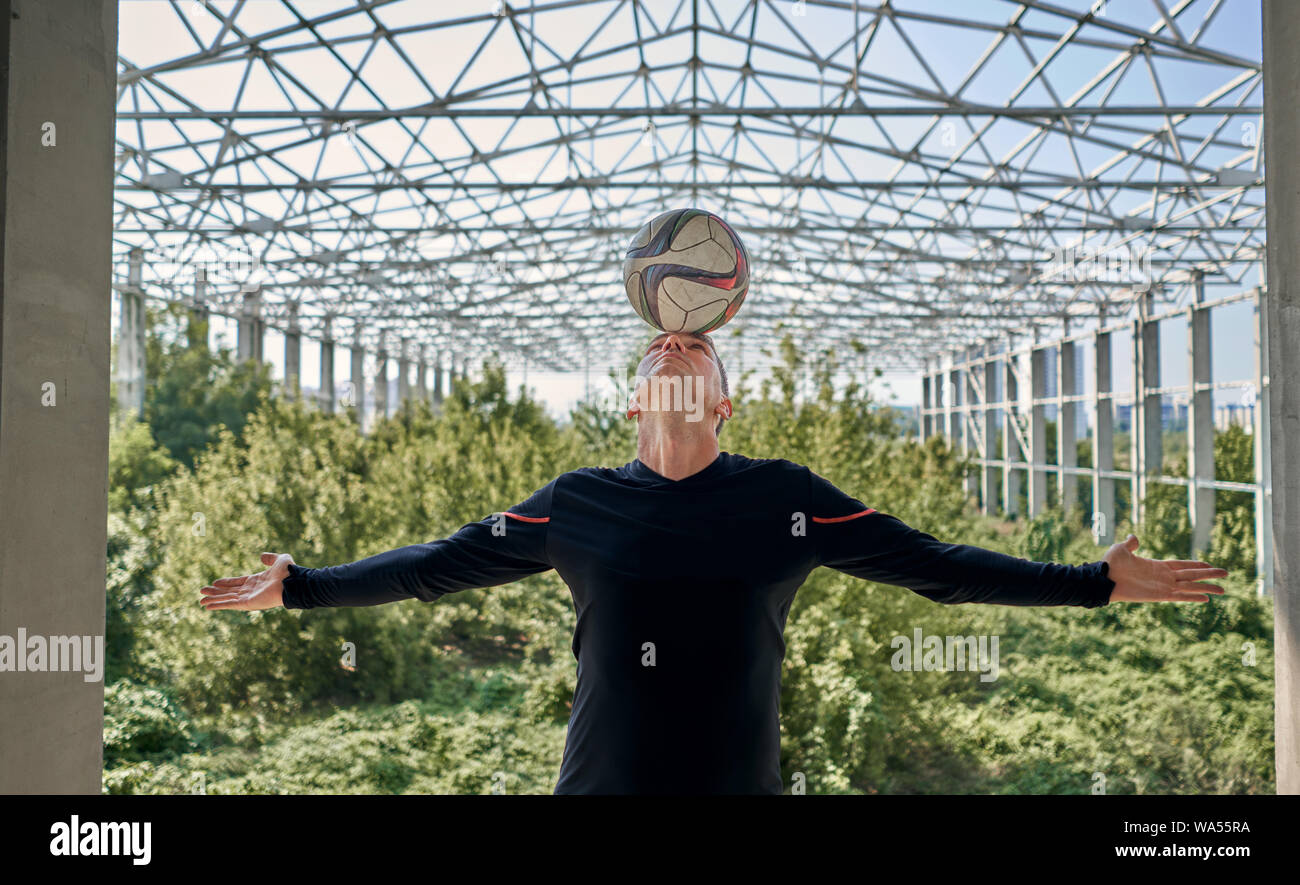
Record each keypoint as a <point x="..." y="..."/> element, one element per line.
<point x="1229" y="414"/>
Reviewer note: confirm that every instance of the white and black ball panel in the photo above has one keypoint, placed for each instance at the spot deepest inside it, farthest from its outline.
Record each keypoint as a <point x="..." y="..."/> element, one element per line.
<point x="641" y="239"/>
<point x="694" y="232"/>
<point x="701" y="317"/>
<point x="688" y="294"/>
<point x="681" y="313"/>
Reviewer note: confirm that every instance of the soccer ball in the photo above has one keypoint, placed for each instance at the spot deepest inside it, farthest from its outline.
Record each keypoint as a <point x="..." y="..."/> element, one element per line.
<point x="686" y="271"/>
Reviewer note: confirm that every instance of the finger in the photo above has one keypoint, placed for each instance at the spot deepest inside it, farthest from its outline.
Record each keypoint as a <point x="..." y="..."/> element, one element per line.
<point x="1188" y="596"/>
<point x="216" y="591"/>
<point x="1197" y="585"/>
<point x="223" y="597"/>
<point x="212" y="606"/>
<point x="269" y="558"/>
<point x="231" y="582"/>
<point x="1131" y="542"/>
<point x="1185" y="563"/>
<point x="1197" y="574"/>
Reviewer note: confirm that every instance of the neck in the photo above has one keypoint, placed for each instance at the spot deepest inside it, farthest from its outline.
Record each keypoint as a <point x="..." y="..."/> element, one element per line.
<point x="676" y="455"/>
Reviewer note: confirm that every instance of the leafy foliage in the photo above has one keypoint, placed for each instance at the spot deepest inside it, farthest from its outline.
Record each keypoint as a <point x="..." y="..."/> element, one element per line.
<point x="471" y="694"/>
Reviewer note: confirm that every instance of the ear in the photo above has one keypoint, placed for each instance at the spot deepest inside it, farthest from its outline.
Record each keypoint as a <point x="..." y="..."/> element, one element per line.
<point x="724" y="408"/>
<point x="633" y="409"/>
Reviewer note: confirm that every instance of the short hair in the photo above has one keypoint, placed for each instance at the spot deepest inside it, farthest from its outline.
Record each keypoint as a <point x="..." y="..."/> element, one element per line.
<point x="722" y="370"/>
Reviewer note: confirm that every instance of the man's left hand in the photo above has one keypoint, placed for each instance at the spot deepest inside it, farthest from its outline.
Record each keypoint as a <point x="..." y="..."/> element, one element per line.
<point x="1138" y="579"/>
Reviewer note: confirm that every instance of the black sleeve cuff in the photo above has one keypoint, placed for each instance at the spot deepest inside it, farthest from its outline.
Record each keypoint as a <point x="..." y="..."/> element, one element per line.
<point x="292" y="595"/>
<point x="1098" y="585"/>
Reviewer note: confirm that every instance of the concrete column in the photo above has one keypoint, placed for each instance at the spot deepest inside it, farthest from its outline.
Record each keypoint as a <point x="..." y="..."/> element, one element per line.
<point x="946" y="398"/>
<point x="927" y="403"/>
<point x="325" y="396"/>
<point x="403" y="371"/>
<point x="1147" y="425"/>
<point x="437" y="381"/>
<point x="989" y="475"/>
<point x="293" y="355"/>
<point x="938" y="427"/>
<point x="1153" y="452"/>
<point x="250" y="328"/>
<point x="1135" y="417"/>
<point x="1103" y="443"/>
<point x="59" y="80"/>
<point x="1067" y="454"/>
<point x="196" y="329"/>
<point x="971" y="405"/>
<point x="1200" y="426"/>
<point x="381" y="379"/>
<point x="1264" y="440"/>
<point x="357" y="383"/>
<point x="131" y="338"/>
<point x="1037" y="455"/>
<point x="422" y="374"/>
<point x="1279" y="457"/>
<point x="952" y="404"/>
<point x="1011" y="450"/>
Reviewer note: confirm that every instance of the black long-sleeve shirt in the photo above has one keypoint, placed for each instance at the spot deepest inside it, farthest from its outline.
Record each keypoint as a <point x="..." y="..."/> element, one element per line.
<point x="681" y="589"/>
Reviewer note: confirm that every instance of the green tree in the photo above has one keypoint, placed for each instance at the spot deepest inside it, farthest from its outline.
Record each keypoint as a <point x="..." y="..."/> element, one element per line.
<point x="193" y="392"/>
<point x="443" y="696"/>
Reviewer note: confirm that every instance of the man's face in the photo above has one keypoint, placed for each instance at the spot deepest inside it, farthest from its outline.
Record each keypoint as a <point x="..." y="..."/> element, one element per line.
<point x="681" y="375"/>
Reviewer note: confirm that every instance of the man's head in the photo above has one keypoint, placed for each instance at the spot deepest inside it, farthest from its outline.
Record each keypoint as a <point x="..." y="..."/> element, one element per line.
<point x="686" y="366"/>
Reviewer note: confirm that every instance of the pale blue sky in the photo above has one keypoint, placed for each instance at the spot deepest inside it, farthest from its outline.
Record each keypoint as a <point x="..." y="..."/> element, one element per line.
<point x="150" y="33"/>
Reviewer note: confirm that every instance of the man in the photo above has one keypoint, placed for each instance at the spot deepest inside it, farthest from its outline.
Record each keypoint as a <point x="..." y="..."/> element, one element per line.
<point x="683" y="564"/>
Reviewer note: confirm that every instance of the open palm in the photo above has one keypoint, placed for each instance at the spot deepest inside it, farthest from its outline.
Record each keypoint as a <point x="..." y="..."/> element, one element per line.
<point x="1138" y="579"/>
<point x="250" y="593"/>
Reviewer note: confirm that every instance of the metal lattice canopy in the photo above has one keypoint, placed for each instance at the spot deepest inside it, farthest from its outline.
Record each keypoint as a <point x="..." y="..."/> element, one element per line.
<point x="466" y="175"/>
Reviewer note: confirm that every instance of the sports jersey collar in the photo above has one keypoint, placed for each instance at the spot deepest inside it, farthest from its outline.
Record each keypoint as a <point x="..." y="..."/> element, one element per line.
<point x="638" y="470"/>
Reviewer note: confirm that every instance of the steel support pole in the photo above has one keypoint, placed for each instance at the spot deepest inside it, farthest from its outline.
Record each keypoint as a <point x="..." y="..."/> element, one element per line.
<point x="381" y="379"/>
<point x="1011" y="450"/>
<point x="403" y="372"/>
<point x="1200" y="426"/>
<point x="989" y="474"/>
<point x="970" y="416"/>
<point x="293" y="355"/>
<point x="249" y="337"/>
<point x="131" y="338"/>
<point x="1148" y="444"/>
<point x="196" y="328"/>
<point x="1103" y="442"/>
<point x="1067" y="455"/>
<point x="1037" y="455"/>
<point x="927" y="403"/>
<point x="325" y="395"/>
<point x="357" y="385"/>
<point x="422" y="374"/>
<point x="952" y="403"/>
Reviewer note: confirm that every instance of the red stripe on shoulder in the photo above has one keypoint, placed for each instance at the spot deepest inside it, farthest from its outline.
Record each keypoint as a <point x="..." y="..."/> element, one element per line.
<point x="528" y="518"/>
<point x="843" y="518"/>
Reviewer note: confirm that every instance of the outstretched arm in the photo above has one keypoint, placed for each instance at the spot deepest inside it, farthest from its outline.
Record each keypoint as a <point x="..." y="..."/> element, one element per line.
<point x="860" y="541"/>
<point x="501" y="548"/>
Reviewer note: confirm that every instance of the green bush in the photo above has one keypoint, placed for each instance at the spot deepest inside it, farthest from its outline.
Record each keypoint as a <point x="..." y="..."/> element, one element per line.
<point x="471" y="693"/>
<point x="141" y="722"/>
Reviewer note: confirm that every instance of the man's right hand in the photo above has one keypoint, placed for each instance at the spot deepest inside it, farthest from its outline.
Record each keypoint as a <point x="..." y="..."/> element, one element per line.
<point x="250" y="593"/>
